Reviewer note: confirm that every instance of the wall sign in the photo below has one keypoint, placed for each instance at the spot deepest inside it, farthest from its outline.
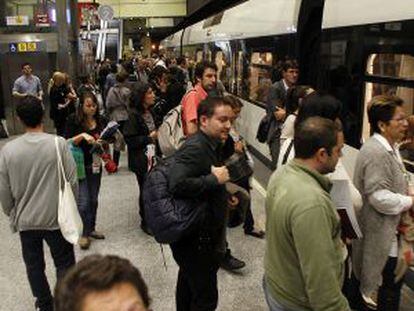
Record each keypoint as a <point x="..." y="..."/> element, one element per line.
<point x="19" y="20"/>
<point x="22" y="47"/>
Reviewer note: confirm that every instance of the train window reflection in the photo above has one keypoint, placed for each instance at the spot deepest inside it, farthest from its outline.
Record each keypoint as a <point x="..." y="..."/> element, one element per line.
<point x="260" y="83"/>
<point x="374" y="89"/>
<point x="262" y="59"/>
<point x="260" y="73"/>
<point x="199" y="56"/>
<point x="392" y="65"/>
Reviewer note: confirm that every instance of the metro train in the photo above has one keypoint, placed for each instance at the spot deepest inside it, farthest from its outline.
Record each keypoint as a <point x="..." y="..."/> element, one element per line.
<point x="351" y="48"/>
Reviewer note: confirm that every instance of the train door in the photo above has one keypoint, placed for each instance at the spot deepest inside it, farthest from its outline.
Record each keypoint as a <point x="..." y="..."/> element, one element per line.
<point x="10" y="68"/>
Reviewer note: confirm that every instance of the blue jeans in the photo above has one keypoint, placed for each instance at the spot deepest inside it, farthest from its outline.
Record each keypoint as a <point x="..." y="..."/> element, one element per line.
<point x="88" y="200"/>
<point x="271" y="302"/>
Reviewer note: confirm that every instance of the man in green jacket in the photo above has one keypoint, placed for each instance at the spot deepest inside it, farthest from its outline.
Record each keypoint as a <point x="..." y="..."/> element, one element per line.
<point x="305" y="256"/>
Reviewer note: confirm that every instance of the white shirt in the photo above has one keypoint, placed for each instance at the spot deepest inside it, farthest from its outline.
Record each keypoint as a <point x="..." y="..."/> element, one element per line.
<point x="386" y="201"/>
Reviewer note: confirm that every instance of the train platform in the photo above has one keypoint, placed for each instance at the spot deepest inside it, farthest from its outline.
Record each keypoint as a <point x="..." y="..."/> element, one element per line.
<point x="118" y="219"/>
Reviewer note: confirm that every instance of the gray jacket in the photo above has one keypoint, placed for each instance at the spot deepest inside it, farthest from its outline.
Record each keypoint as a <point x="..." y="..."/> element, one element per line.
<point x="117" y="102"/>
<point x="276" y="98"/>
<point x="29" y="180"/>
<point x="375" y="169"/>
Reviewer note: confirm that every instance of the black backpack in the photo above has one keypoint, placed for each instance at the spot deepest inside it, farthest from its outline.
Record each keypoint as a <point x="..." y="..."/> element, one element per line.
<point x="170" y="219"/>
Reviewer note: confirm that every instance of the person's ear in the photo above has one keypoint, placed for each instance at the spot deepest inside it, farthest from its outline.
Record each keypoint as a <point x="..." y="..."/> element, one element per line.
<point x="381" y="126"/>
<point x="203" y="121"/>
<point x="321" y="154"/>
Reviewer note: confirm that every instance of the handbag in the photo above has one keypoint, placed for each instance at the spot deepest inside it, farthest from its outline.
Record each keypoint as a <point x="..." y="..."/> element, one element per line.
<point x="69" y="220"/>
<point x="238" y="167"/>
<point x="263" y="129"/>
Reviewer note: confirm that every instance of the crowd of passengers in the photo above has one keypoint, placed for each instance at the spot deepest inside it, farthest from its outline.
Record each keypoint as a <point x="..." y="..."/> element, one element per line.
<point x="310" y="263"/>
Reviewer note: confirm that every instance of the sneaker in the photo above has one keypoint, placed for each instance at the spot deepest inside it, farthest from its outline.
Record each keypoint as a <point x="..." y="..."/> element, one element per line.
<point x="231" y="263"/>
<point x="84" y="242"/>
<point x="370" y="301"/>
<point x="97" y="235"/>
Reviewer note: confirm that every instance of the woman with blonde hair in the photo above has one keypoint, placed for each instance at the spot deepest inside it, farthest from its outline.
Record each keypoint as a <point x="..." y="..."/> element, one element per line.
<point x="59" y="101"/>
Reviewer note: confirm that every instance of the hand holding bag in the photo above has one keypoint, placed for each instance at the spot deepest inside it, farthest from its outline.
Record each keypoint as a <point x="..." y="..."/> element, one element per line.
<point x="69" y="220"/>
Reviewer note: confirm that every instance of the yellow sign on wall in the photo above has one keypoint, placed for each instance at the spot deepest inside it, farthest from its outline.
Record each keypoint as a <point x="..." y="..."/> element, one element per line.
<point x="31" y="47"/>
<point x="22" y="47"/>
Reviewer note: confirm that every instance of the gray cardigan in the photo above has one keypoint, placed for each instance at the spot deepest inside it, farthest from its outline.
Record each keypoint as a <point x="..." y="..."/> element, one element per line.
<point x="29" y="180"/>
<point x="375" y="169"/>
<point x="117" y="102"/>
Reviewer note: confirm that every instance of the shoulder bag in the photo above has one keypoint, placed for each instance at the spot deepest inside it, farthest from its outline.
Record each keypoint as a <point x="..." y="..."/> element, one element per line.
<point x="69" y="220"/>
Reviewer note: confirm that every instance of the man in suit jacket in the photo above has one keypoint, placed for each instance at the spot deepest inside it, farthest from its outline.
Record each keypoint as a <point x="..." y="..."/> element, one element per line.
<point x="276" y="106"/>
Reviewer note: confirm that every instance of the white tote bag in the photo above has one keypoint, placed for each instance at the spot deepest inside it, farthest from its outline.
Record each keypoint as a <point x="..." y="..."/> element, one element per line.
<point x="69" y="220"/>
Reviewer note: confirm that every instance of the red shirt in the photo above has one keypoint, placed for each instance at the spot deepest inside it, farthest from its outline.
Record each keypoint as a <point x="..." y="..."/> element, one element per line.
<point x="190" y="104"/>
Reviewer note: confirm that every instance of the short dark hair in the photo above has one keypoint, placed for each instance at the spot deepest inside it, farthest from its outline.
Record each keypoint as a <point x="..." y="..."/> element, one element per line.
<point x="289" y="64"/>
<point x="181" y="60"/>
<point x="319" y="104"/>
<point x="83" y="79"/>
<point x="114" y="68"/>
<point x="293" y="97"/>
<point x="121" y="77"/>
<point x="30" y="111"/>
<point x="208" y="106"/>
<point x="313" y="134"/>
<point x="201" y="67"/>
<point x="97" y="273"/>
<point x="233" y="101"/>
<point x="382" y="108"/>
<point x="26" y="64"/>
<point x="157" y="72"/>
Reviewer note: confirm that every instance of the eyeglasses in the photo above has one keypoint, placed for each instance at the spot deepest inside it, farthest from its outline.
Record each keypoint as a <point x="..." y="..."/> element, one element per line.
<point x="400" y="119"/>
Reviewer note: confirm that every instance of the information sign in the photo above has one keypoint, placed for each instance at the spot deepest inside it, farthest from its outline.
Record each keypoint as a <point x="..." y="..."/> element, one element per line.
<point x="22" y="47"/>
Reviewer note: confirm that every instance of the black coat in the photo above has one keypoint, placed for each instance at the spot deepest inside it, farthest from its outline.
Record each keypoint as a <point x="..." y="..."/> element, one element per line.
<point x="277" y="98"/>
<point x="190" y="177"/>
<point x="136" y="134"/>
<point x="57" y="97"/>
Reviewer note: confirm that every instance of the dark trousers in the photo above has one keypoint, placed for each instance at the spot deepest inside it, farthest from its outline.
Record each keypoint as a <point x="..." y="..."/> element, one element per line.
<point x="140" y="179"/>
<point x="389" y="293"/>
<point x="197" y="277"/>
<point x="117" y="154"/>
<point x="33" y="255"/>
<point x="88" y="200"/>
<point x="248" y="220"/>
<point x="274" y="147"/>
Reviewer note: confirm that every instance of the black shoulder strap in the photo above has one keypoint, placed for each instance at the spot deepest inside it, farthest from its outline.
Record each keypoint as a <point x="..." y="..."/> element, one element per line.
<point x="286" y="155"/>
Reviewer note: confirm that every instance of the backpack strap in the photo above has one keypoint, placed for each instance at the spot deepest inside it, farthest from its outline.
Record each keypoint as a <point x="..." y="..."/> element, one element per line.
<point x="288" y="150"/>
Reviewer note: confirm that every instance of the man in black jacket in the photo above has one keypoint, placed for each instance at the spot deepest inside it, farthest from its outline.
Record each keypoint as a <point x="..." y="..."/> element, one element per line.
<point x="199" y="173"/>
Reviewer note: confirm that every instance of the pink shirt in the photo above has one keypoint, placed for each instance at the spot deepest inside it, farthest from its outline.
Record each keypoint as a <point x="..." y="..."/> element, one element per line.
<point x="190" y="104"/>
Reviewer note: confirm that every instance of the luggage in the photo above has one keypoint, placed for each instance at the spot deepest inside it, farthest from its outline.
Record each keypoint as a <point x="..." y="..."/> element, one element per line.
<point x="169" y="219"/>
<point x="263" y="129"/>
<point x="238" y="167"/>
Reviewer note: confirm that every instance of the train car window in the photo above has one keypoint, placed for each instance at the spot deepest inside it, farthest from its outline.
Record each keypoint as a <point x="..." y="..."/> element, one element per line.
<point x="260" y="73"/>
<point x="199" y="56"/>
<point x="239" y="73"/>
<point x="395" y="66"/>
<point x="262" y="59"/>
<point x="392" y="65"/>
